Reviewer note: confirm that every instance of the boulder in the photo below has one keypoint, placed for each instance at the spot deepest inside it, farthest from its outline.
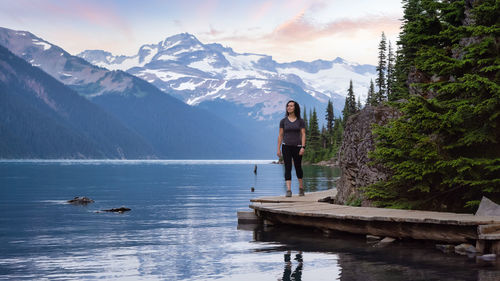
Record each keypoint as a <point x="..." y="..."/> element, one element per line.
<point x="465" y="248"/>
<point x="353" y="160"/>
<point x="488" y="208"/>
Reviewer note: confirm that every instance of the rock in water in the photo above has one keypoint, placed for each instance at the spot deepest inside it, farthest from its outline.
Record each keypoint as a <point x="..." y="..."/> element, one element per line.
<point x="465" y="248"/>
<point x="80" y="201"/>
<point x="445" y="248"/>
<point x="118" y="210"/>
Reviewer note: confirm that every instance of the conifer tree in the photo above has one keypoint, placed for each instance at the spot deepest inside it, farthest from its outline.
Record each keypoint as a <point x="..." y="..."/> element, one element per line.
<point x="338" y="132"/>
<point x="381" y="70"/>
<point x="350" y="103"/>
<point x="314" y="133"/>
<point x="390" y="73"/>
<point x="324" y="137"/>
<point x="370" y="98"/>
<point x="329" y="117"/>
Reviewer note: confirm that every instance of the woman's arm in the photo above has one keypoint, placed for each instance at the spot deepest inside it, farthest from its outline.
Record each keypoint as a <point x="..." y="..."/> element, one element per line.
<point x="280" y="140"/>
<point x="303" y="140"/>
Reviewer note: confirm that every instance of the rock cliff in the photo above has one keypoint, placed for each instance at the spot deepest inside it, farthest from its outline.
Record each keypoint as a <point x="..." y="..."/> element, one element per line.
<point x="356" y="172"/>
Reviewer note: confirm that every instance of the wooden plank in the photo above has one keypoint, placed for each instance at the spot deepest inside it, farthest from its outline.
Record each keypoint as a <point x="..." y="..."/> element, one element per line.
<point x="376" y="214"/>
<point x="448" y="233"/>
<point x="439" y="226"/>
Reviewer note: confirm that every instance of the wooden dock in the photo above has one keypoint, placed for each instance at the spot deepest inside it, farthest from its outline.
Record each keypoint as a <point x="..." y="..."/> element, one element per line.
<point x="438" y="226"/>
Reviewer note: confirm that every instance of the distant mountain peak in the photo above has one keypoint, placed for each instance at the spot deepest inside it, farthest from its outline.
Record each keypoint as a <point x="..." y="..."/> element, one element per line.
<point x="181" y="39"/>
<point x="185" y="67"/>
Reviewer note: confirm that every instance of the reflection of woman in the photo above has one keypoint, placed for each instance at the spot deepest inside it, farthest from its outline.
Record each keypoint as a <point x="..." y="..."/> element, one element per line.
<point x="297" y="273"/>
<point x="292" y="144"/>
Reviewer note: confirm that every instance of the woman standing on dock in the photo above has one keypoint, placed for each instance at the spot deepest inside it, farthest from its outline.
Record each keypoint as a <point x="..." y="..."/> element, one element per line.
<point x="292" y="144"/>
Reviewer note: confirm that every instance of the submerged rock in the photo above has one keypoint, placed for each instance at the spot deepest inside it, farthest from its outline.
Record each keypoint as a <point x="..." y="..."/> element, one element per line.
<point x="487" y="257"/>
<point x="465" y="248"/>
<point x="80" y="201"/>
<point x="445" y="248"/>
<point x="384" y="242"/>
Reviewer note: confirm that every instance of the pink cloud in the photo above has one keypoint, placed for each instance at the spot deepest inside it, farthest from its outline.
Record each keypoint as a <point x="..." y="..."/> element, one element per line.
<point x="299" y="29"/>
<point x="205" y="8"/>
<point x="86" y="12"/>
<point x="261" y="11"/>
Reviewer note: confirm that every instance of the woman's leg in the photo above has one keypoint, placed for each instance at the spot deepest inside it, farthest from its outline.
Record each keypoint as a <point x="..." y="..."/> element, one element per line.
<point x="287" y="159"/>
<point x="297" y="163"/>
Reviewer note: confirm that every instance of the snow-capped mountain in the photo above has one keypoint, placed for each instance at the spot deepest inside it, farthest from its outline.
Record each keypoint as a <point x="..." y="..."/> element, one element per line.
<point x="172" y="128"/>
<point x="202" y="73"/>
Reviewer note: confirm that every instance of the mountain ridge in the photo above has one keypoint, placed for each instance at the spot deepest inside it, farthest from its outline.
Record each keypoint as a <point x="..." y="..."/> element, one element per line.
<point x="173" y="128"/>
<point x="42" y="118"/>
<point x="170" y="62"/>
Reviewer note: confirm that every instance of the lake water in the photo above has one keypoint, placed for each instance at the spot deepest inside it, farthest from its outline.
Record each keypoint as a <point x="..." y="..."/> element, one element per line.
<point x="183" y="226"/>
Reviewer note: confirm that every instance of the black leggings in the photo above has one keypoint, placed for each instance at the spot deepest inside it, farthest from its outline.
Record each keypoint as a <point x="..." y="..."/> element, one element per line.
<point x="292" y="152"/>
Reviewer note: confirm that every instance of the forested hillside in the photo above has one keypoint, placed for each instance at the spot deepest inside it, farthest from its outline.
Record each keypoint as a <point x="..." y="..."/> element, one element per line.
<point x="444" y="152"/>
<point x="42" y="118"/>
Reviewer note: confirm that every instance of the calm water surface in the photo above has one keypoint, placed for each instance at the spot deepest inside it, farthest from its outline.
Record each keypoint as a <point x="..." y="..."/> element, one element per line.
<point x="183" y="226"/>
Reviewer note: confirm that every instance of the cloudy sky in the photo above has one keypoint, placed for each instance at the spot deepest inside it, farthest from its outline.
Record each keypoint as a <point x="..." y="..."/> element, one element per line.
<point x="288" y="30"/>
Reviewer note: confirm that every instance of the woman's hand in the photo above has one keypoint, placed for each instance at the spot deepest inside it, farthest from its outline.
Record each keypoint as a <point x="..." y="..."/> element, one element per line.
<point x="279" y="153"/>
<point x="301" y="151"/>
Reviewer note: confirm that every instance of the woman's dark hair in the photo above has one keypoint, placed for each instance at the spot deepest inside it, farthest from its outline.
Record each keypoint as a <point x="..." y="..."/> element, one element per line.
<point x="296" y="111"/>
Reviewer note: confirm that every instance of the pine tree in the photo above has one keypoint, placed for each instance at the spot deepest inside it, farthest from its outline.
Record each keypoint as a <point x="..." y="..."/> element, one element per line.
<point x="329" y="117"/>
<point x="325" y="139"/>
<point x="338" y="132"/>
<point x="314" y="134"/>
<point x="390" y="73"/>
<point x="381" y="70"/>
<point x="370" y="98"/>
<point x="350" y="103"/>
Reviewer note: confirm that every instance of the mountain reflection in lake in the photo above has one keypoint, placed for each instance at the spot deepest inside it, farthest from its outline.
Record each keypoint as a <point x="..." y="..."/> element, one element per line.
<point x="183" y="226"/>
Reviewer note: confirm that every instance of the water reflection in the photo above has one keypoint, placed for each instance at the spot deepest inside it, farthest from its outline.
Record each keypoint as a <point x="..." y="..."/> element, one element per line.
<point x="358" y="260"/>
<point x="316" y="178"/>
<point x="296" y="275"/>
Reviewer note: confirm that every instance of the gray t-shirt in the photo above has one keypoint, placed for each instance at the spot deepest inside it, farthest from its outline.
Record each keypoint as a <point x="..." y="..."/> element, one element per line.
<point x="291" y="131"/>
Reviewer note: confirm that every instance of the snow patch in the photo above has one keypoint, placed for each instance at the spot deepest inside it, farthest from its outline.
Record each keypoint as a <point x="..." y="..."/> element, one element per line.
<point x="191" y="49"/>
<point x="205" y="65"/>
<point x="189" y="85"/>
<point x="166" y="57"/>
<point x="161" y="74"/>
<point x="168" y="44"/>
<point x="45" y="46"/>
